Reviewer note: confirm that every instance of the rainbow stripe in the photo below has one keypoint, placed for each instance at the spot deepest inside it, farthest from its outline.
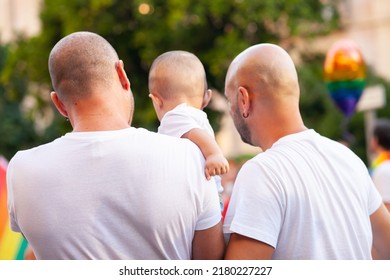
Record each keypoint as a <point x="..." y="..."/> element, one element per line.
<point x="12" y="244"/>
<point x="346" y="94"/>
<point x="379" y="159"/>
<point x="344" y="62"/>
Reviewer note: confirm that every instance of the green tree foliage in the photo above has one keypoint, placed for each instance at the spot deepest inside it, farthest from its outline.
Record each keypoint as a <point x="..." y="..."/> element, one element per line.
<point x="16" y="128"/>
<point x="216" y="31"/>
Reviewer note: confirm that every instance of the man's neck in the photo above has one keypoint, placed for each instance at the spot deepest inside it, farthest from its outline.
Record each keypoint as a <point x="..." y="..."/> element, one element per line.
<point x="99" y="123"/>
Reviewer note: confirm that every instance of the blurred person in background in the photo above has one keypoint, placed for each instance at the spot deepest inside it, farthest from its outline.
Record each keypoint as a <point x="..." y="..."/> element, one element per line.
<point x="380" y="168"/>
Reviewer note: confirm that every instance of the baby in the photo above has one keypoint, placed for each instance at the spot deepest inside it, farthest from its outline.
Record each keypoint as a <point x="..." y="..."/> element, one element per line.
<point x="178" y="89"/>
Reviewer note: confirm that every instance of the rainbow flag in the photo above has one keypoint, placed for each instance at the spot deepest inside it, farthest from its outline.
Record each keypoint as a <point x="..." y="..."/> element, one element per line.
<point x="12" y="244"/>
<point x="383" y="156"/>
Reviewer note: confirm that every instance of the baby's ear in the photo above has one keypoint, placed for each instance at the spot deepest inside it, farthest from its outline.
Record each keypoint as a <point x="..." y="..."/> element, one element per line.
<point x="206" y="98"/>
<point x="157" y="101"/>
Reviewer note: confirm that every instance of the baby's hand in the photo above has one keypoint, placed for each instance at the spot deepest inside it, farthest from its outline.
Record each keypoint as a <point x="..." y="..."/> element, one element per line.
<point x="216" y="164"/>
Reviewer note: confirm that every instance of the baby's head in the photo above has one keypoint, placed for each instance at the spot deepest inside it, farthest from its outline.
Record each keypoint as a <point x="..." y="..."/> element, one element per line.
<point x="176" y="77"/>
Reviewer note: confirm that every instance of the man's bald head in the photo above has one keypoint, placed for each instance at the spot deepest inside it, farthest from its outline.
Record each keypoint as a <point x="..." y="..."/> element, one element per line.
<point x="263" y="92"/>
<point x="80" y="63"/>
<point x="265" y="68"/>
<point x="177" y="73"/>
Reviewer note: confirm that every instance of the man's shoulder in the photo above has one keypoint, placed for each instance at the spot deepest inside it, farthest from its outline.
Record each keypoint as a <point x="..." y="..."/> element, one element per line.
<point x="165" y="141"/>
<point x="29" y="157"/>
<point x="36" y="149"/>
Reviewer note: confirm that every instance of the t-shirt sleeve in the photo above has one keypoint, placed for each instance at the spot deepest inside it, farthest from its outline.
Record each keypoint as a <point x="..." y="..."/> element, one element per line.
<point x="205" y="193"/>
<point x="381" y="178"/>
<point x="255" y="208"/>
<point x="211" y="210"/>
<point x="374" y="198"/>
<point x="10" y="197"/>
<point x="176" y="123"/>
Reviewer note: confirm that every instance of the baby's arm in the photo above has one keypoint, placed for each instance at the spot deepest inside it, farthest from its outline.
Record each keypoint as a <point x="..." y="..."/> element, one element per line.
<point x="216" y="163"/>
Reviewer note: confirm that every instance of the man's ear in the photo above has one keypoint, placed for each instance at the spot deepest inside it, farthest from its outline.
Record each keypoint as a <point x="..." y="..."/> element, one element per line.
<point x="243" y="100"/>
<point x="58" y="103"/>
<point x="206" y="98"/>
<point x="156" y="99"/>
<point x="120" y="69"/>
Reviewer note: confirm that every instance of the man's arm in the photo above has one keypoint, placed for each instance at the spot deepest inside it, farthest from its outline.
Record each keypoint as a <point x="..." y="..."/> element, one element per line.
<point x="29" y="254"/>
<point x="244" y="248"/>
<point x="216" y="163"/>
<point x="380" y="223"/>
<point x="208" y="244"/>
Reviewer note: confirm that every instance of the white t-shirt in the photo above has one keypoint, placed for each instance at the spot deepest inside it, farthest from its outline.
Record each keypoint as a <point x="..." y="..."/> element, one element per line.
<point x="308" y="197"/>
<point x="381" y="178"/>
<point x="184" y="118"/>
<point x="124" y="194"/>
